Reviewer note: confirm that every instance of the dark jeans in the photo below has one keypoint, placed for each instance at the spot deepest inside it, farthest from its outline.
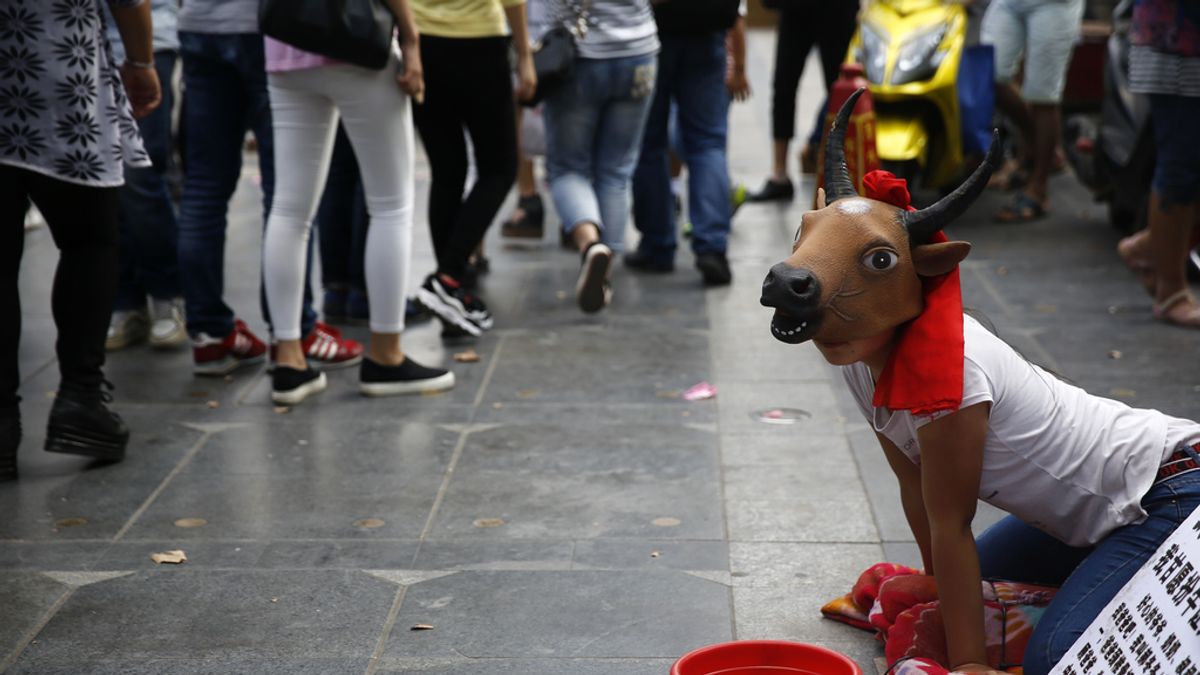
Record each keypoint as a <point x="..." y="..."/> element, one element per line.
<point x="342" y="220"/>
<point x="83" y="222"/>
<point x="149" y="233"/>
<point x="691" y="71"/>
<point x="1089" y="577"/>
<point x="467" y="86"/>
<point x="226" y="93"/>
<point x="829" y="25"/>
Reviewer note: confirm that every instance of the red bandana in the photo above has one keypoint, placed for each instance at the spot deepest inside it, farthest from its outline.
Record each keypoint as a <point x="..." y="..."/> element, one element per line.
<point x="924" y="373"/>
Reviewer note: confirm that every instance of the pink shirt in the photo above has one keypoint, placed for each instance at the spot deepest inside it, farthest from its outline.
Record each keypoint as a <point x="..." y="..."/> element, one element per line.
<point x="282" y="57"/>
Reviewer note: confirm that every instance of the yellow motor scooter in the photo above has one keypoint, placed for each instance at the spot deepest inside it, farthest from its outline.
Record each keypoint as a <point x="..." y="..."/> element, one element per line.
<point x="911" y="51"/>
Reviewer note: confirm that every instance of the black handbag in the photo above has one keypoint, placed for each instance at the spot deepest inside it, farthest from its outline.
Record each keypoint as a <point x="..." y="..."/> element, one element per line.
<point x="555" y="54"/>
<point x="354" y="31"/>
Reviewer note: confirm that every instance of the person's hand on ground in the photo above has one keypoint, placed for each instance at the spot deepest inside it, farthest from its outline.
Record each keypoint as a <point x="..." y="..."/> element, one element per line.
<point x="142" y="87"/>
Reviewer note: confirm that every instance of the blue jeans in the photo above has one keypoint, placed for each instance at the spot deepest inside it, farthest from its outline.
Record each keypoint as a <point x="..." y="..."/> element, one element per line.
<point x="225" y="84"/>
<point x="593" y="132"/>
<point x="1089" y="577"/>
<point x="691" y="71"/>
<point x="342" y="220"/>
<point x="146" y="217"/>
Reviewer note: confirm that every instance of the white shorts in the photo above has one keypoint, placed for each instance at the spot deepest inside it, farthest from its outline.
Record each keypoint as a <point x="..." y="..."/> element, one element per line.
<point x="1045" y="31"/>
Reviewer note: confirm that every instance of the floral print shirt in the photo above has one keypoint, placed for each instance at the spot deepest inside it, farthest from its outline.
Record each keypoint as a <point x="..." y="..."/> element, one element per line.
<point x="63" y="110"/>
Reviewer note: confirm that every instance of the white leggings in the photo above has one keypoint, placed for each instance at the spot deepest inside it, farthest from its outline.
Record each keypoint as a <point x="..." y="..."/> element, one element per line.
<point x="305" y="105"/>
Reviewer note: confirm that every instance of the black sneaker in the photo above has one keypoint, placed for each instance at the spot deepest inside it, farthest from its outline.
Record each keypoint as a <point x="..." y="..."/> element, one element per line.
<point x="290" y="386"/>
<point x="446" y="298"/>
<point x="409" y="377"/>
<point x="714" y="267"/>
<point x="643" y="262"/>
<point x="10" y="438"/>
<point x="592" y="290"/>
<point x="81" y="424"/>
<point x="774" y="191"/>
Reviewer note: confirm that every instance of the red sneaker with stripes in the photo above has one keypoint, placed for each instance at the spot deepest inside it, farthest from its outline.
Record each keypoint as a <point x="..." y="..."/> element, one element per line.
<point x="325" y="348"/>
<point x="220" y="356"/>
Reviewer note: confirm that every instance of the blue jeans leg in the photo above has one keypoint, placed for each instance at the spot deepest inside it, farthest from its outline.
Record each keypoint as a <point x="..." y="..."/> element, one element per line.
<point x="342" y="220"/>
<point x="1101" y="574"/>
<point x="618" y="140"/>
<point x="148" y="228"/>
<point x="704" y="124"/>
<point x="653" y="204"/>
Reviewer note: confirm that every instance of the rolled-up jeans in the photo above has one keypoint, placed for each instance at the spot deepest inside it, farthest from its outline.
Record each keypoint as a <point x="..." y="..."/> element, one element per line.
<point x="1088" y="577"/>
<point x="594" y="129"/>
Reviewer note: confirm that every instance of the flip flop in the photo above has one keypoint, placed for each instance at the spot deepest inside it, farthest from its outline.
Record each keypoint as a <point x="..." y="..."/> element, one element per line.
<point x="1189" y="320"/>
<point x="1022" y="209"/>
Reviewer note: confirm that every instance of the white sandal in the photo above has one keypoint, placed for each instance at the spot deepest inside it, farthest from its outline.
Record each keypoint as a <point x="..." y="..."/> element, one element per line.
<point x="1183" y="295"/>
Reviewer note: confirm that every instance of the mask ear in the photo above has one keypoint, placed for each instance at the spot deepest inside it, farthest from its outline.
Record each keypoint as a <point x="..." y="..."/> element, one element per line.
<point x="931" y="260"/>
<point x="820" y="198"/>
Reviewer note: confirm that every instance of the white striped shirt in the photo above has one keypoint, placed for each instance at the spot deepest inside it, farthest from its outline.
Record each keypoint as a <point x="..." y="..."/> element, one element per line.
<point x="615" y="28"/>
<point x="1155" y="72"/>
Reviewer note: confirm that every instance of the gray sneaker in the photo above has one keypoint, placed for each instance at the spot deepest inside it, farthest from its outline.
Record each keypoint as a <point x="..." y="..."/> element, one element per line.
<point x="167" y="326"/>
<point x="126" y="327"/>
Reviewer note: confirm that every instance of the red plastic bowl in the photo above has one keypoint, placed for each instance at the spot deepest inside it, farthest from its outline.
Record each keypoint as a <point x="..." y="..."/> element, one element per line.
<point x="764" y="657"/>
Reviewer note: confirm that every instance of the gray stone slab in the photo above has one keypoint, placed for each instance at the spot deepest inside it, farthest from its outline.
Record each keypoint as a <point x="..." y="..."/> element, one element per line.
<point x="337" y="554"/>
<point x="231" y="616"/>
<point x="740" y="400"/>
<point x="628" y="554"/>
<point x="825" y="453"/>
<point x="596" y="365"/>
<point x="204" y="666"/>
<point x="54" y="488"/>
<point x="496" y="554"/>
<point x="805" y="519"/>
<point x="517" y="666"/>
<point x="647" y="614"/>
<point x="903" y="553"/>
<point x="319" y="506"/>
<point x="135" y="555"/>
<point x="778" y="589"/>
<point x="50" y="555"/>
<point x="27" y="597"/>
<point x="601" y="416"/>
<point x="548" y="482"/>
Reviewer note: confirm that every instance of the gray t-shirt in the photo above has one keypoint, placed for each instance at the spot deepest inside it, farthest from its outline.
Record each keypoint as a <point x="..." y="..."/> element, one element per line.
<point x="219" y="16"/>
<point x="615" y="28"/>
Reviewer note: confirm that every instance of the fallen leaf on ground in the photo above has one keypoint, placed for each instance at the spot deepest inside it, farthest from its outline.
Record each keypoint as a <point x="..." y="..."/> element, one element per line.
<point x="282" y="410"/>
<point x="173" y="557"/>
<point x="214" y="404"/>
<point x="489" y="522"/>
<point x="1114" y="354"/>
<point x="654" y="554"/>
<point x="422" y="626"/>
<point x="468" y="356"/>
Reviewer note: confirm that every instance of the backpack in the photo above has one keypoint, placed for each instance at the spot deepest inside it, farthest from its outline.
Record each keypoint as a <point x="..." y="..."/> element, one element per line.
<point x="695" y="16"/>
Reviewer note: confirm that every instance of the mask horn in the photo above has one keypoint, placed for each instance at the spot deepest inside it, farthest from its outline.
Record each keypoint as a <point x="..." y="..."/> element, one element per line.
<point x="923" y="224"/>
<point x="837" y="177"/>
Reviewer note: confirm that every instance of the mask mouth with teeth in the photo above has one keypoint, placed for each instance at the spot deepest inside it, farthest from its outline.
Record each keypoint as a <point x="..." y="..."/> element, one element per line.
<point x="856" y="264"/>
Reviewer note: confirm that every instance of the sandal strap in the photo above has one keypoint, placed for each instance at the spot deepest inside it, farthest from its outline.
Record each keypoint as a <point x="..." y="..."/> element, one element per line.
<point x="1175" y="298"/>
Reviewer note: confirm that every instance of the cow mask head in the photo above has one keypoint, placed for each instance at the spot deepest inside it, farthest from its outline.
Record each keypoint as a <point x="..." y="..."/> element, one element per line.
<point x="856" y="264"/>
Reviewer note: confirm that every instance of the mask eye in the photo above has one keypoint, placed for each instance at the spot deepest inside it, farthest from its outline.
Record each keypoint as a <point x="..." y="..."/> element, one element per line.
<point x="881" y="259"/>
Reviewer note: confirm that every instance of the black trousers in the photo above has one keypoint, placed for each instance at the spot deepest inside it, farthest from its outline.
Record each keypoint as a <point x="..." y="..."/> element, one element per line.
<point x="828" y="25"/>
<point x="468" y="86"/>
<point x="83" y="223"/>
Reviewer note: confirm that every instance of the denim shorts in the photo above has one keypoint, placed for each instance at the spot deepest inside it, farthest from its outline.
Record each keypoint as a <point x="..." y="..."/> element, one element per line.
<point x="1177" y="141"/>
<point x="1044" y="31"/>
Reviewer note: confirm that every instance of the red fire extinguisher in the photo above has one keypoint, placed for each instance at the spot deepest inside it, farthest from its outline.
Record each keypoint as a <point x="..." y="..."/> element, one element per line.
<point x="861" y="156"/>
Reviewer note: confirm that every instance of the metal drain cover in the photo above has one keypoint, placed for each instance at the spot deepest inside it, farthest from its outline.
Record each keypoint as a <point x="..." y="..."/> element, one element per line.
<point x="780" y="415"/>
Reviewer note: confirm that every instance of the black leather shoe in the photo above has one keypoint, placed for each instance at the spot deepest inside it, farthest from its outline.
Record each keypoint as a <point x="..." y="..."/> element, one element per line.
<point x="774" y="191"/>
<point x="10" y="438"/>
<point x="714" y="267"/>
<point x="81" y="424"/>
<point x="642" y="262"/>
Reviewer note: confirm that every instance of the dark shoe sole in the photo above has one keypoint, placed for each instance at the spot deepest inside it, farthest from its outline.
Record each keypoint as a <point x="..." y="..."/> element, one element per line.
<point x="589" y="290"/>
<point x="73" y="441"/>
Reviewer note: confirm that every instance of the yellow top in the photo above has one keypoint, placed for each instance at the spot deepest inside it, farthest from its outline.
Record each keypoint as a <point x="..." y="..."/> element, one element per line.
<point x="462" y="18"/>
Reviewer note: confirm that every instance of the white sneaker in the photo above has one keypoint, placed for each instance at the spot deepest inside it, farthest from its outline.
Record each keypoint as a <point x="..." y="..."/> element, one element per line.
<point x="126" y="327"/>
<point x="167" y="328"/>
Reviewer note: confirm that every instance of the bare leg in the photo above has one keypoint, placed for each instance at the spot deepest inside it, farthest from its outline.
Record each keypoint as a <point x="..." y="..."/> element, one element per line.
<point x="385" y="349"/>
<point x="584" y="235"/>
<point x="1046" y="124"/>
<point x="1170" y="234"/>
<point x="290" y="354"/>
<point x="779" y="148"/>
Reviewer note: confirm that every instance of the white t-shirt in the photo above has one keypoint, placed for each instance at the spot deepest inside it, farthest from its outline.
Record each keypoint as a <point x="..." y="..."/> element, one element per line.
<point x="1071" y="464"/>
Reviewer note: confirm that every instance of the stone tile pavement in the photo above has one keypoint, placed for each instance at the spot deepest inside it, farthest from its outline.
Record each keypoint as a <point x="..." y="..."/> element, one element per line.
<point x="562" y="510"/>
